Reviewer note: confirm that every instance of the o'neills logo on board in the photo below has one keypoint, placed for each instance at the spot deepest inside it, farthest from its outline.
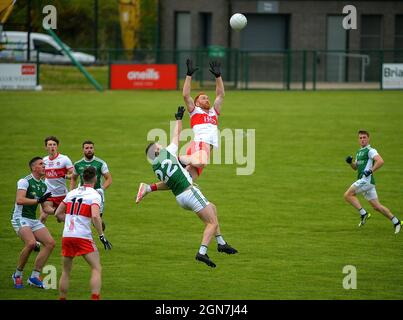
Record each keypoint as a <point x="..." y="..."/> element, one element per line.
<point x="149" y="74"/>
<point x="143" y="76"/>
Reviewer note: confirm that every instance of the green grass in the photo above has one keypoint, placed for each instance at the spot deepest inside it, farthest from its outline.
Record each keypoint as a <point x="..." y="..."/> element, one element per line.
<point x="288" y="220"/>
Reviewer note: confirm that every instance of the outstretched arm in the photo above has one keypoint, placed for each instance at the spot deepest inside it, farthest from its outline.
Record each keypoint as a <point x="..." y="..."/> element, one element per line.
<point x="187" y="86"/>
<point x="219" y="94"/>
<point x="178" y="125"/>
<point x="215" y="69"/>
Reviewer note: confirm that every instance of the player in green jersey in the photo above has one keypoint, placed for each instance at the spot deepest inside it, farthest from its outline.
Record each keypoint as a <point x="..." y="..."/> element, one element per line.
<point x="174" y="177"/>
<point x="32" y="191"/>
<point x="366" y="162"/>
<point x="104" y="177"/>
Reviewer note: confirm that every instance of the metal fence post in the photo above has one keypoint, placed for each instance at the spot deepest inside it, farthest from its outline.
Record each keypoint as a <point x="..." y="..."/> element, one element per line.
<point x="381" y="58"/>
<point x="288" y="69"/>
<point x="236" y="68"/>
<point x="37" y="68"/>
<point x="304" y="70"/>
<point x="247" y="71"/>
<point x="314" y="53"/>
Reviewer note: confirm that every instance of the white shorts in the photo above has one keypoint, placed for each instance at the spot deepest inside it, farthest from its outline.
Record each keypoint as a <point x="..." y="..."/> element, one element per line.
<point x="21" y="222"/>
<point x="192" y="199"/>
<point x="366" y="188"/>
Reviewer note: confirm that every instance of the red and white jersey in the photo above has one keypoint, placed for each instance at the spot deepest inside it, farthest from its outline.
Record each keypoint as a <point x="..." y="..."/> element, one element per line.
<point x="78" y="212"/>
<point x="55" y="171"/>
<point x="204" y="125"/>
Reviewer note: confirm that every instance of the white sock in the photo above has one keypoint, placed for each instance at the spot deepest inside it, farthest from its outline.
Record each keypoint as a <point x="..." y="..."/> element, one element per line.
<point x="35" y="274"/>
<point x="148" y="188"/>
<point x="220" y="239"/>
<point x="362" y="211"/>
<point x="203" y="249"/>
<point x="18" y="273"/>
<point x="395" y="220"/>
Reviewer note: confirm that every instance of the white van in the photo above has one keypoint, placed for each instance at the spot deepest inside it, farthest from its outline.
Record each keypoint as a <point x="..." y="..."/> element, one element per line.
<point x="14" y="47"/>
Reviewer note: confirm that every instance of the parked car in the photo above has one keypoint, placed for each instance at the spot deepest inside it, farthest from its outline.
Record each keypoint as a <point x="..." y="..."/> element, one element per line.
<point x="14" y="46"/>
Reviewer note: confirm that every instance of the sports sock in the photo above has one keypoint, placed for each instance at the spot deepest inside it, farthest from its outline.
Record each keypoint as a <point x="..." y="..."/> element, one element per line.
<point x="220" y="239"/>
<point x="18" y="273"/>
<point x="35" y="274"/>
<point x="95" y="296"/>
<point x="152" y="187"/>
<point x="203" y="249"/>
<point x="395" y="220"/>
<point x="362" y="211"/>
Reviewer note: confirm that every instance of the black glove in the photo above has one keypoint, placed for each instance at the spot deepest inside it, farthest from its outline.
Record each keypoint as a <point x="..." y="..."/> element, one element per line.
<point x="179" y="114"/>
<point x="190" y="70"/>
<point x="106" y="243"/>
<point x="44" y="197"/>
<point x="349" y="159"/>
<point x="367" y="172"/>
<point x="215" y="68"/>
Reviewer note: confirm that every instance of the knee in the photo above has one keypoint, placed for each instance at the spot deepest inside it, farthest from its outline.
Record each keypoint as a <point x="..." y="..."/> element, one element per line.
<point x="50" y="244"/>
<point x="346" y="196"/>
<point x="30" y="245"/>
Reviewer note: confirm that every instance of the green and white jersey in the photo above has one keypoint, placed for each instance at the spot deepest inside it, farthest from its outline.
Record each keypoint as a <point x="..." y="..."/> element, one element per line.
<point x="35" y="189"/>
<point x="99" y="165"/>
<point x="365" y="161"/>
<point x="167" y="169"/>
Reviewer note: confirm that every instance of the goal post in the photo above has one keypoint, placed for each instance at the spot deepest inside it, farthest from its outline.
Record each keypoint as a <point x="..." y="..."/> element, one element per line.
<point x="74" y="60"/>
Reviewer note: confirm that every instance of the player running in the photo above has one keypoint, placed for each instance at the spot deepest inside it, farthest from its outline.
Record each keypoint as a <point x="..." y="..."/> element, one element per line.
<point x="32" y="191"/>
<point x="203" y="120"/>
<point x="101" y="168"/>
<point x="173" y="177"/>
<point x="58" y="168"/>
<point x="79" y="208"/>
<point x="367" y="161"/>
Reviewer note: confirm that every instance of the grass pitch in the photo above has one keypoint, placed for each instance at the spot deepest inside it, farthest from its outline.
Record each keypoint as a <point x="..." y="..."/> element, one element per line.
<point x="293" y="230"/>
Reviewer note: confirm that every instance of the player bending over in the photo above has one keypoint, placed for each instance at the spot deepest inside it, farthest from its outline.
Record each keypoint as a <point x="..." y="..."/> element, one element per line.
<point x="173" y="177"/>
<point x="79" y="208"/>
<point x="31" y="192"/>
<point x="367" y="161"/>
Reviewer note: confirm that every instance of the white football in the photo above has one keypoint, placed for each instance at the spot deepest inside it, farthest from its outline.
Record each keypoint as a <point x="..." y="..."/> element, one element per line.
<point x="238" y="21"/>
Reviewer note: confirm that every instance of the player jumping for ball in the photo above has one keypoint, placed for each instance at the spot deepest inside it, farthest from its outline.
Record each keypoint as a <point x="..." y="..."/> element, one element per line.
<point x="203" y="120"/>
<point x="174" y="177"/>
<point x="366" y="162"/>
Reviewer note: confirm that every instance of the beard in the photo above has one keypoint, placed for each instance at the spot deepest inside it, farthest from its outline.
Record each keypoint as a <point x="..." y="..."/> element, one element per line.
<point x="89" y="155"/>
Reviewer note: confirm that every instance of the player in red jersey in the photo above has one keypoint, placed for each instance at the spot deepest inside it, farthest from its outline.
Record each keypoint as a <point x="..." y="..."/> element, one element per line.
<point x="203" y="120"/>
<point x="79" y="208"/>
<point x="58" y="168"/>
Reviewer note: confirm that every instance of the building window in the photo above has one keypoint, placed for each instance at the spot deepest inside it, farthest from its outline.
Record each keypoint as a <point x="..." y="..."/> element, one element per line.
<point x="183" y="30"/>
<point x="205" y="29"/>
<point x="371" y="32"/>
<point x="399" y="31"/>
<point x="337" y="44"/>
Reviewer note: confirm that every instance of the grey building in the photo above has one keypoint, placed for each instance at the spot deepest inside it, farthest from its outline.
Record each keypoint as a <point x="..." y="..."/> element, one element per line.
<point x="290" y="25"/>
